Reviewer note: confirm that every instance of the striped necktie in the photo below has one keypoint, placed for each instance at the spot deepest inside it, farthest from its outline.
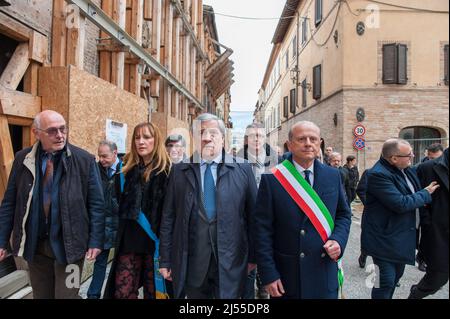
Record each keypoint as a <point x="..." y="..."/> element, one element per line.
<point x="48" y="184"/>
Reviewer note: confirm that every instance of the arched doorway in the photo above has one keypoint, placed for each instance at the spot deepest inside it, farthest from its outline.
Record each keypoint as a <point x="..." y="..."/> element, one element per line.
<point x="420" y="138"/>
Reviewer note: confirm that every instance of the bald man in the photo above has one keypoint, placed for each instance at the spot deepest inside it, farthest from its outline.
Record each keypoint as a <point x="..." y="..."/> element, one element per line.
<point x="302" y="222"/>
<point x="54" y="207"/>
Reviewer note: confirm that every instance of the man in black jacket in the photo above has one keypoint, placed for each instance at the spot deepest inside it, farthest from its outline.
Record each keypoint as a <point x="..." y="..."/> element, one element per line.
<point x="54" y="206"/>
<point x="434" y="224"/>
<point x="110" y="167"/>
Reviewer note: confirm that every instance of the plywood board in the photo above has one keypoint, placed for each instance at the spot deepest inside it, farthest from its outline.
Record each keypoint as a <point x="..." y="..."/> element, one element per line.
<point x="92" y="101"/>
<point x="54" y="89"/>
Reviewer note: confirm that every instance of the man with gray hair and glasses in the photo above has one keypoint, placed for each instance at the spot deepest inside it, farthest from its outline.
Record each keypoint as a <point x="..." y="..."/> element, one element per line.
<point x="206" y="222"/>
<point x="391" y="214"/>
<point x="54" y="207"/>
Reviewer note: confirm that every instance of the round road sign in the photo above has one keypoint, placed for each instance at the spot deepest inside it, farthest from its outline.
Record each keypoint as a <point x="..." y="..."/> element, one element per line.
<point x="359" y="143"/>
<point x="359" y="130"/>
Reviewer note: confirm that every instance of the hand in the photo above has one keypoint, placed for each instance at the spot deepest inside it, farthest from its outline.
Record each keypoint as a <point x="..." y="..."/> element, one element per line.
<point x="92" y="253"/>
<point x="275" y="289"/>
<point x="333" y="249"/>
<point x="250" y="268"/>
<point x="166" y="273"/>
<point x="432" y="187"/>
<point x="3" y="253"/>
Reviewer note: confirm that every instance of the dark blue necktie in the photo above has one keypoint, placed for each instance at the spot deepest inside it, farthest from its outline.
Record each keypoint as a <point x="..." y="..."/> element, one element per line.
<point x="209" y="193"/>
<point x="307" y="174"/>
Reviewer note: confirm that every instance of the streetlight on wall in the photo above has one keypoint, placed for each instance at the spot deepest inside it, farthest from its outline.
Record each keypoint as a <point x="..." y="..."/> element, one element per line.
<point x="294" y="74"/>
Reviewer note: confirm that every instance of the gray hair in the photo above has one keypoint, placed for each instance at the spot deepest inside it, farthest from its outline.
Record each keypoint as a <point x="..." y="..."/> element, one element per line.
<point x="204" y="117"/>
<point x="391" y="147"/>
<point x="37" y="121"/>
<point x="301" y="123"/>
<point x="112" y="146"/>
<point x="335" y="154"/>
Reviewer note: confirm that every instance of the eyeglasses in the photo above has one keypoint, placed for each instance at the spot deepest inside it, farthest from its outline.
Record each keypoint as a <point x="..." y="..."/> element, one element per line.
<point x="409" y="155"/>
<point x="53" y="131"/>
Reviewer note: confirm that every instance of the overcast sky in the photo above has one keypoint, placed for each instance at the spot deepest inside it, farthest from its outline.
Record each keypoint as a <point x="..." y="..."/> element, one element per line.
<point x="251" y="41"/>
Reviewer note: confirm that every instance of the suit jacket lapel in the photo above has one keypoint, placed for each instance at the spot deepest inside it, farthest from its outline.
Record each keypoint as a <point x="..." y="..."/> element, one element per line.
<point x="318" y="177"/>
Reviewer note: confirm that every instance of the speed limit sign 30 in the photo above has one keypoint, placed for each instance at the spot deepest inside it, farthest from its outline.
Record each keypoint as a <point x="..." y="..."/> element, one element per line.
<point x="359" y="130"/>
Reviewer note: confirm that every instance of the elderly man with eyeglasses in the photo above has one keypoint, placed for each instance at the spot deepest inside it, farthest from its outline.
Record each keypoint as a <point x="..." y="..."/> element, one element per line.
<point x="54" y="207"/>
<point x="391" y="214"/>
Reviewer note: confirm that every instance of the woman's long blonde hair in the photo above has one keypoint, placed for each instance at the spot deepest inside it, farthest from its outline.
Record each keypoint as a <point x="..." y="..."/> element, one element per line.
<point x="160" y="161"/>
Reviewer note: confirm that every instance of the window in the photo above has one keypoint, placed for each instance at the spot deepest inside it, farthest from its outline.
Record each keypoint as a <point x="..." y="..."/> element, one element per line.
<point x="318" y="12"/>
<point x="294" y="47"/>
<point x="420" y="138"/>
<point x="446" y="64"/>
<point x="286" y="107"/>
<point x="304" y="30"/>
<point x="304" y="93"/>
<point x="293" y="96"/>
<point x="317" y="82"/>
<point x="395" y="63"/>
<point x="287" y="59"/>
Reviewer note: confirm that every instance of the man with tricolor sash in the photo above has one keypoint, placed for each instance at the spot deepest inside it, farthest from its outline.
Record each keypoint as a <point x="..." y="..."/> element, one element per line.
<point x="302" y="222"/>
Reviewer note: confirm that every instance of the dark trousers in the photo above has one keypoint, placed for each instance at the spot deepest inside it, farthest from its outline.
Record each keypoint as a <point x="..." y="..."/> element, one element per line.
<point x="249" y="287"/>
<point x="209" y="289"/>
<point x="98" y="276"/>
<point x="388" y="277"/>
<point x="50" y="280"/>
<point x="429" y="285"/>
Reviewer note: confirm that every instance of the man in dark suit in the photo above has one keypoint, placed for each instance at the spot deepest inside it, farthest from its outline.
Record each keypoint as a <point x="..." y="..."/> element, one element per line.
<point x="391" y="212"/>
<point x="205" y="227"/>
<point x="294" y="259"/>
<point x="434" y="223"/>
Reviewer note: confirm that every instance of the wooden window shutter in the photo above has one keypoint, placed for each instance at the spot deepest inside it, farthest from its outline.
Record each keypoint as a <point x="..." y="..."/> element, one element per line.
<point x="293" y="100"/>
<point x="446" y="64"/>
<point x="304" y="93"/>
<point x="286" y="107"/>
<point x="390" y="63"/>
<point x="402" y="54"/>
<point x="318" y="12"/>
<point x="317" y="82"/>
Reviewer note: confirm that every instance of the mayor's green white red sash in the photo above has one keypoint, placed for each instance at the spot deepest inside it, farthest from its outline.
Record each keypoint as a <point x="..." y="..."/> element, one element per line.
<point x="305" y="197"/>
<point x="308" y="201"/>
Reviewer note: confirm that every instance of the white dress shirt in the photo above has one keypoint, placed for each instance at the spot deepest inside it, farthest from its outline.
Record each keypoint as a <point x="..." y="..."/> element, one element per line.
<point x="302" y="170"/>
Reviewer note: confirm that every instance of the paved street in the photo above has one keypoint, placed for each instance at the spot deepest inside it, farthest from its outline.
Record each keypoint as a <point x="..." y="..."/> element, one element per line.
<point x="355" y="277"/>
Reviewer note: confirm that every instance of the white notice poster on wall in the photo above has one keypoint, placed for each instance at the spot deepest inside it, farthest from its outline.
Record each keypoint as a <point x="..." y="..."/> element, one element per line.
<point x="117" y="133"/>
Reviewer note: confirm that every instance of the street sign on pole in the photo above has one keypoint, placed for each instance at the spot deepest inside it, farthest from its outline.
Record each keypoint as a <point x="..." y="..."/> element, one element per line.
<point x="359" y="130"/>
<point x="359" y="143"/>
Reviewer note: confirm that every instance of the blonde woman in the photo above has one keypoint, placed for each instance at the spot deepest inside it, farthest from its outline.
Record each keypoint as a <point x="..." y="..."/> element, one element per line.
<point x="145" y="171"/>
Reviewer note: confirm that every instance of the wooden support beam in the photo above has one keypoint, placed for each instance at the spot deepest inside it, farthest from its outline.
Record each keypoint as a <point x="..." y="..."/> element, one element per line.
<point x="137" y="11"/>
<point x="175" y="64"/>
<point x="75" y="42"/>
<point x="118" y="58"/>
<point x="148" y="10"/>
<point x="105" y="57"/>
<point x="194" y="16"/>
<point x="16" y="68"/>
<point x="59" y="33"/>
<point x="17" y="103"/>
<point x="6" y="154"/>
<point x="38" y="48"/>
<point x="223" y="89"/>
<point x="200" y="30"/>
<point x="13" y="28"/>
<point x="30" y="80"/>
<point x="156" y="43"/>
